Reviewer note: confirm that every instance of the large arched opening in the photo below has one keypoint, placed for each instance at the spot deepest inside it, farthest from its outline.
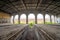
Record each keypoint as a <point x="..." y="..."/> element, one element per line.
<point x="47" y="19"/>
<point x="39" y="19"/>
<point x="11" y="19"/>
<point x="16" y="19"/>
<point x="23" y="19"/>
<point x="55" y="19"/>
<point x="31" y="18"/>
<point x="52" y="18"/>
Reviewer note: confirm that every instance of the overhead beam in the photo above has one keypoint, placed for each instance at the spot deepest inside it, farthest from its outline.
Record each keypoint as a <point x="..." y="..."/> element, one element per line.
<point x="7" y="3"/>
<point x="24" y="4"/>
<point x="5" y="11"/>
<point x="53" y="9"/>
<point x="14" y="6"/>
<point x="38" y="3"/>
<point x="48" y="5"/>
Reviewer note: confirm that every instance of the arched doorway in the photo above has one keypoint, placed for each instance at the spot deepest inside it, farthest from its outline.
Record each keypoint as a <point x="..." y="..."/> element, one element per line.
<point x="23" y="19"/>
<point x="31" y="18"/>
<point x="40" y="19"/>
<point x="16" y="19"/>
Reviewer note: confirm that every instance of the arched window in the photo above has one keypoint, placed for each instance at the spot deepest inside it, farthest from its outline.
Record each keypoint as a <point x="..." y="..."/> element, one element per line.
<point x="31" y="18"/>
<point x="12" y="19"/>
<point x="23" y="19"/>
<point x="16" y="19"/>
<point x="39" y="18"/>
<point x="47" y="18"/>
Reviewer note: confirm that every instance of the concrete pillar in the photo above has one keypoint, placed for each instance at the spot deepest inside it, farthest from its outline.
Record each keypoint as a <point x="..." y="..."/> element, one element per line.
<point x="35" y="18"/>
<point x="50" y="19"/>
<point x="13" y="18"/>
<point x="26" y="19"/>
<point x="54" y="19"/>
<point x="19" y="18"/>
<point x="44" y="18"/>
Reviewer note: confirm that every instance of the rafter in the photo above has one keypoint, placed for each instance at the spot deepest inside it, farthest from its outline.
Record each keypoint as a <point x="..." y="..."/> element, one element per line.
<point x="14" y="6"/>
<point x="24" y="4"/>
<point x="5" y="11"/>
<point x="54" y="9"/>
<point x="38" y="3"/>
<point x="48" y="5"/>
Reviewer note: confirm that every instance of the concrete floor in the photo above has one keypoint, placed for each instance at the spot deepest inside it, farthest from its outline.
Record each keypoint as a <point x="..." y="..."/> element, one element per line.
<point x="52" y="29"/>
<point x="9" y="30"/>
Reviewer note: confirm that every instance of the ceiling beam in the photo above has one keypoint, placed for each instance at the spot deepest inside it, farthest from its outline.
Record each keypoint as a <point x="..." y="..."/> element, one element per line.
<point x="10" y="6"/>
<point x="54" y="9"/>
<point x="14" y="6"/>
<point x="48" y="5"/>
<point x="5" y="11"/>
<point x="24" y="4"/>
<point x="38" y="3"/>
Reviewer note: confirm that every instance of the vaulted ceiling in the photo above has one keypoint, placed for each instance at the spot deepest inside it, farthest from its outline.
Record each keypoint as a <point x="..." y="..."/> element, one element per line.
<point x="17" y="6"/>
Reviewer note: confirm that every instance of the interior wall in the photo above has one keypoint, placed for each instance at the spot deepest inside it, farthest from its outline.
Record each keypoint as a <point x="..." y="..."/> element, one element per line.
<point x="4" y="17"/>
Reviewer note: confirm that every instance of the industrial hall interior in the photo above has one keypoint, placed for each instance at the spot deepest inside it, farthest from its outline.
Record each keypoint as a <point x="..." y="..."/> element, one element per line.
<point x="29" y="19"/>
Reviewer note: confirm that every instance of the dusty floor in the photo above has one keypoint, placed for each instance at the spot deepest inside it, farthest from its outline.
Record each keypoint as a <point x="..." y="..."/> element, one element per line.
<point x="11" y="29"/>
<point x="54" y="29"/>
<point x="7" y="30"/>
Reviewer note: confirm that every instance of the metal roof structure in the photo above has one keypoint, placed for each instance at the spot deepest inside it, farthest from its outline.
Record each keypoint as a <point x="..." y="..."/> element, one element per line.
<point x="17" y="6"/>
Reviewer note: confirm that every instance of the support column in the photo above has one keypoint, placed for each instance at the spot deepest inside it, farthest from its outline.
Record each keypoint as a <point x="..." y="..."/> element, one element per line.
<point x="19" y="19"/>
<point x="54" y="18"/>
<point x="13" y="19"/>
<point x="26" y="19"/>
<point x="50" y="19"/>
<point x="35" y="18"/>
<point x="44" y="18"/>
